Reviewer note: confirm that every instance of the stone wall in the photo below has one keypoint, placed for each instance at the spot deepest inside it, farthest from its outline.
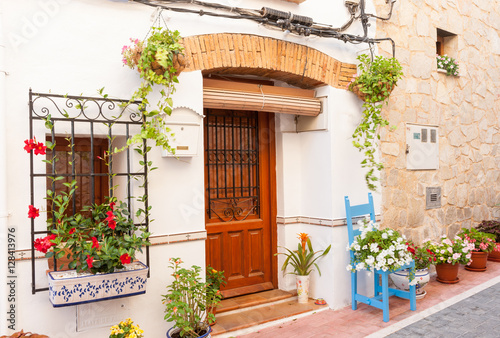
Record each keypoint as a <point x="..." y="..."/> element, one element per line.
<point x="466" y="109"/>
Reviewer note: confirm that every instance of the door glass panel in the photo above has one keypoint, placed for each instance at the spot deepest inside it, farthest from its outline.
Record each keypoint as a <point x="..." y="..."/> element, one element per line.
<point x="232" y="160"/>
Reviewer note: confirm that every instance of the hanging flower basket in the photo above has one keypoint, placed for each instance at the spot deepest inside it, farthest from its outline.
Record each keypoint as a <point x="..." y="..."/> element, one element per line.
<point x="356" y="89"/>
<point x="71" y="288"/>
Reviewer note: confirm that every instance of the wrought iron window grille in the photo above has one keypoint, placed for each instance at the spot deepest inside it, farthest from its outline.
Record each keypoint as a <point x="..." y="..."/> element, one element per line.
<point x="115" y="120"/>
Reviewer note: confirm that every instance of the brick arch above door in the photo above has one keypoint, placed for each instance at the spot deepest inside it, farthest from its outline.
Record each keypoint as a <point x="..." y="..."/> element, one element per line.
<point x="245" y="54"/>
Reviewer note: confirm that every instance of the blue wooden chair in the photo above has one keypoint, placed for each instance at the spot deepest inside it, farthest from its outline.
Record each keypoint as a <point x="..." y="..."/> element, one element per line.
<point x="382" y="291"/>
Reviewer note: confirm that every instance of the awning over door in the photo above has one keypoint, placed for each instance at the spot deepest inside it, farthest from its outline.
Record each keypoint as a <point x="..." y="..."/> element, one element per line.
<point x="244" y="96"/>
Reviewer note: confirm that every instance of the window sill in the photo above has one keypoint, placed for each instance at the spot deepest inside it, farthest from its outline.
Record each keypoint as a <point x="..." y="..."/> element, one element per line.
<point x="444" y="72"/>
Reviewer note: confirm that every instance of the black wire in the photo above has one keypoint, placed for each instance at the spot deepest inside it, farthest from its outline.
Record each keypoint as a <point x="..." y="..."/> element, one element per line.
<point x="282" y="24"/>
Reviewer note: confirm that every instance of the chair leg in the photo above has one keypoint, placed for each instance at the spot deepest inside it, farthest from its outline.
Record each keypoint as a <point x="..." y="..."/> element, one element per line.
<point x="376" y="284"/>
<point x="413" y="297"/>
<point x="385" y="296"/>
<point x="354" y="289"/>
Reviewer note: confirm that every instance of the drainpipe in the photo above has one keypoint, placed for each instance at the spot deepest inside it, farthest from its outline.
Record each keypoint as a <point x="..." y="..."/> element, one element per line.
<point x="3" y="183"/>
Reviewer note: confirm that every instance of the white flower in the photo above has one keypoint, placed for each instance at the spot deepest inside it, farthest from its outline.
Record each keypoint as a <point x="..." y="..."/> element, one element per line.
<point x="349" y="267"/>
<point x="390" y="261"/>
<point x="357" y="247"/>
<point x="360" y="266"/>
<point x="365" y="247"/>
<point x="384" y="235"/>
<point x="374" y="247"/>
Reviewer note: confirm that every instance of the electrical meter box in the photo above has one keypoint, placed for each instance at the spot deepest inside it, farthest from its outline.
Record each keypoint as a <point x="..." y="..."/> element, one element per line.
<point x="422" y="147"/>
<point x="185" y="124"/>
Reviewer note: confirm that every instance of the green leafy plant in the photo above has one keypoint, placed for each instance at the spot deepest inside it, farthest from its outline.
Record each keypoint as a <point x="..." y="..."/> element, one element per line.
<point x="187" y="300"/>
<point x="376" y="249"/>
<point x="158" y="60"/>
<point x="447" y="63"/>
<point x="450" y="251"/>
<point x="215" y="279"/>
<point x="303" y="259"/>
<point x="423" y="257"/>
<point x="126" y="329"/>
<point x="482" y="241"/>
<point x="373" y="85"/>
<point x="101" y="238"/>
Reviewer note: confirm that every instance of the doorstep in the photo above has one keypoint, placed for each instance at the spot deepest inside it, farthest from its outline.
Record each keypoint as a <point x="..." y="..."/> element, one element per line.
<point x="249" y="313"/>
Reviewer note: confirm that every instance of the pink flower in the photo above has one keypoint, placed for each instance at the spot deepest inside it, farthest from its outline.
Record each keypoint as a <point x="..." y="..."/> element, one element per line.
<point x="456" y="256"/>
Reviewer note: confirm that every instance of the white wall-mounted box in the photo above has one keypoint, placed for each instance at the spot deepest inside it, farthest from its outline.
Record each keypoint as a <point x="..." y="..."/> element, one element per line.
<point x="185" y="124"/>
<point x="422" y="147"/>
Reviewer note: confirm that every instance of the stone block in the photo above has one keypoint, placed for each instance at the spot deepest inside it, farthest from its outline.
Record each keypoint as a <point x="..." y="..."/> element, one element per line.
<point x="451" y="215"/>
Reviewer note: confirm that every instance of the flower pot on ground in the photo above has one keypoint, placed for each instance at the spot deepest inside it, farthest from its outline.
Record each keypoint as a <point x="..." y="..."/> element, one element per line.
<point x="478" y="261"/>
<point x="449" y="254"/>
<point x="447" y="273"/>
<point x="302" y="260"/>
<point x="401" y="280"/>
<point x="483" y="243"/>
<point x="187" y="302"/>
<point x="302" y="284"/>
<point x="73" y="288"/>
<point x="492" y="227"/>
<point x="174" y="332"/>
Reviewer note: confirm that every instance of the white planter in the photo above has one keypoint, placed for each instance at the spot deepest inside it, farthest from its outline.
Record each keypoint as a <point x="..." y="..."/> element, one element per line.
<point x="302" y="283"/>
<point x="400" y="280"/>
<point x="70" y="288"/>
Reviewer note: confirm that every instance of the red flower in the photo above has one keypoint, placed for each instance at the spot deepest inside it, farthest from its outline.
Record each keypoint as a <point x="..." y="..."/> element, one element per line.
<point x="40" y="148"/>
<point x="30" y="144"/>
<point x="33" y="212"/>
<point x="44" y="244"/>
<point x="111" y="220"/>
<point x="112" y="205"/>
<point x="95" y="243"/>
<point x="72" y="231"/>
<point x="125" y="258"/>
<point x="90" y="260"/>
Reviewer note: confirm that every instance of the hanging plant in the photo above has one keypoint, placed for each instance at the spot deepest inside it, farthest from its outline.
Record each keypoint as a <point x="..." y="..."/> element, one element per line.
<point x="377" y="79"/>
<point x="158" y="60"/>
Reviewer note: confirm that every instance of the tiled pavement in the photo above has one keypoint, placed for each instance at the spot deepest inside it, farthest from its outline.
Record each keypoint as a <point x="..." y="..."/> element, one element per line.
<point x="453" y="304"/>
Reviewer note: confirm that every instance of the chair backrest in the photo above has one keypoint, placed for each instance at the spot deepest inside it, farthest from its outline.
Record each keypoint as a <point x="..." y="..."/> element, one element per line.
<point x="356" y="211"/>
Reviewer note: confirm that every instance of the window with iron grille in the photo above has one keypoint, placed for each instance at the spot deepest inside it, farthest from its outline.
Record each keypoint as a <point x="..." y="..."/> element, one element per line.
<point x="86" y="131"/>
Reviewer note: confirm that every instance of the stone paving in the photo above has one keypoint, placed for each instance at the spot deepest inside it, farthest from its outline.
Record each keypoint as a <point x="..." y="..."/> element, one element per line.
<point x="435" y="316"/>
<point x="476" y="316"/>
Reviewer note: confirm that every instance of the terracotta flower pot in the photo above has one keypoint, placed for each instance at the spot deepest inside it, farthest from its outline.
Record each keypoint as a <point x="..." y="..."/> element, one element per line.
<point x="494" y="255"/>
<point x="447" y="273"/>
<point x="478" y="262"/>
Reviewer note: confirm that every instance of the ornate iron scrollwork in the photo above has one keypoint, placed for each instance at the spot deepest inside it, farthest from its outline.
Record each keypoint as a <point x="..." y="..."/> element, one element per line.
<point x="234" y="209"/>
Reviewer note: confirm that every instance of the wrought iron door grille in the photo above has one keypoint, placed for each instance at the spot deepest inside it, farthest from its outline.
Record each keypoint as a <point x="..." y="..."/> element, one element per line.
<point x="232" y="160"/>
<point x="109" y="122"/>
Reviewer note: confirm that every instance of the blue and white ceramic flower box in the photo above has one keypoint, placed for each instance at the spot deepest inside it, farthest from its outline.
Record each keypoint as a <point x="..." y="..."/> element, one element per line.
<point x="69" y="288"/>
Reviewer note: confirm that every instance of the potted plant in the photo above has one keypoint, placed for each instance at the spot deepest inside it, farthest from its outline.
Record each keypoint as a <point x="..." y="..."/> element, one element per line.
<point x="376" y="249"/>
<point x="448" y="64"/>
<point x="101" y="239"/>
<point x="126" y="329"/>
<point x="303" y="260"/>
<point x="373" y="85"/>
<point x="158" y="60"/>
<point x="423" y="258"/>
<point x="483" y="244"/>
<point x="215" y="279"/>
<point x="492" y="227"/>
<point x="187" y="302"/>
<point x="449" y="255"/>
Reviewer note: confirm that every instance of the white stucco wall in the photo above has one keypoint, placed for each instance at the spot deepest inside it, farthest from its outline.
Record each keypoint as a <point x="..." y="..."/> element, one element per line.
<point x="73" y="47"/>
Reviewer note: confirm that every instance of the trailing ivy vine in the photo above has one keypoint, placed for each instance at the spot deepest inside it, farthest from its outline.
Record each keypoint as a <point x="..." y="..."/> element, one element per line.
<point x="373" y="85"/>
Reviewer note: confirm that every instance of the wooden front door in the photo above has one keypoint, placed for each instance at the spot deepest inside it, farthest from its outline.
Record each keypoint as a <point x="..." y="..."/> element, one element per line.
<point x="239" y="195"/>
